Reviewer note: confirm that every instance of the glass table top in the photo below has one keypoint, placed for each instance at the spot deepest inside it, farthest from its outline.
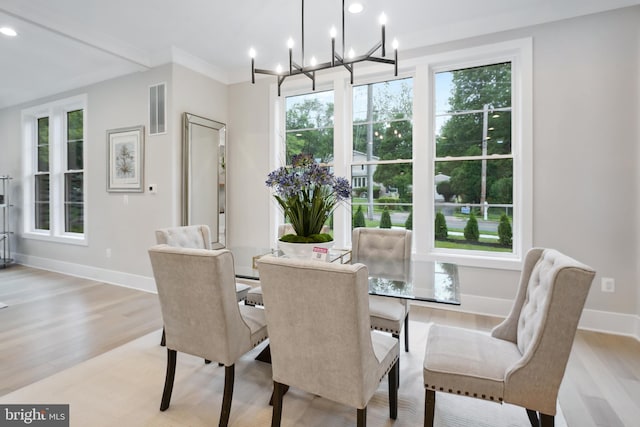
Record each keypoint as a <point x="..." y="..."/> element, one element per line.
<point x="429" y="281"/>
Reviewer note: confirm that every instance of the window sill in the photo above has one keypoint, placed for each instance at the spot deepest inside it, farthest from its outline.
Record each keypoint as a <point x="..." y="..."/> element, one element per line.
<point x="506" y="262"/>
<point x="80" y="240"/>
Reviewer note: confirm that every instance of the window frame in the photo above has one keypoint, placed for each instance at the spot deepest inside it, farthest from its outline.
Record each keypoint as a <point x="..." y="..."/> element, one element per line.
<point x="422" y="69"/>
<point x="519" y="53"/>
<point x="58" y="169"/>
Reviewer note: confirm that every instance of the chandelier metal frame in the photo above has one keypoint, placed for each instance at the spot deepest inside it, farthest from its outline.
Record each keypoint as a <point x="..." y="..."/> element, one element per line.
<point x="337" y="60"/>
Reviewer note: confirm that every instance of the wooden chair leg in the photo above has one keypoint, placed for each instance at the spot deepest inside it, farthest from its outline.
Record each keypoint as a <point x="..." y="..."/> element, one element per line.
<point x="406" y="333"/>
<point x="362" y="417"/>
<point x="429" y="407"/>
<point x="276" y="399"/>
<point x="547" y="420"/>
<point x="533" y="418"/>
<point x="163" y="340"/>
<point x="229" y="375"/>
<point x="168" y="381"/>
<point x="393" y="391"/>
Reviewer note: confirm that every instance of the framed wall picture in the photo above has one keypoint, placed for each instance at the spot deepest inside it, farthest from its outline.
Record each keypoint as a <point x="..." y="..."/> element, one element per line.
<point x="125" y="159"/>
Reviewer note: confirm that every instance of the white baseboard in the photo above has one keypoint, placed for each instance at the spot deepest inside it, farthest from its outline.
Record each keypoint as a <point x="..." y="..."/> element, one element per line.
<point x="591" y="320"/>
<point x="112" y="277"/>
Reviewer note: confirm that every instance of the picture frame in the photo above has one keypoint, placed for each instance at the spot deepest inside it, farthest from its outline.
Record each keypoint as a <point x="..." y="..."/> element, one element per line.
<point x="125" y="160"/>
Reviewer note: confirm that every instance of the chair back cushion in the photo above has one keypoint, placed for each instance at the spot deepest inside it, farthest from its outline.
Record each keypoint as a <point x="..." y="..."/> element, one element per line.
<point x="203" y="318"/>
<point x="188" y="236"/>
<point x="381" y="243"/>
<point x="319" y="329"/>
<point x="550" y="304"/>
<point x="540" y="290"/>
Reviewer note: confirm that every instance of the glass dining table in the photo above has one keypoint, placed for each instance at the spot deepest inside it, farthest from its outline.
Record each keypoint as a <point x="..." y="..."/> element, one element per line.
<point x="428" y="281"/>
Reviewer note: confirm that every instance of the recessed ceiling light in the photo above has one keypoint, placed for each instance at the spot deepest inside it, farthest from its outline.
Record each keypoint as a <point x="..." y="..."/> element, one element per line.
<point x="8" y="31"/>
<point x="355" y="7"/>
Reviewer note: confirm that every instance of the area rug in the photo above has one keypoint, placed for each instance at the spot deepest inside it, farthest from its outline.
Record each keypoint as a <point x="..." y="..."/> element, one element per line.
<point x="123" y="388"/>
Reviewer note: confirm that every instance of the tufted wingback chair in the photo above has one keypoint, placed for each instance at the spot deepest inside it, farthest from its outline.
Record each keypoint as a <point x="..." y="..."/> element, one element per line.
<point x="206" y="321"/>
<point x="369" y="244"/>
<point x="318" y="319"/>
<point x="523" y="361"/>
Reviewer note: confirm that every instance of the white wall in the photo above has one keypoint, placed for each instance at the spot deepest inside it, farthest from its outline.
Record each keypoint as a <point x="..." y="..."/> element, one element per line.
<point x="585" y="154"/>
<point x="123" y="223"/>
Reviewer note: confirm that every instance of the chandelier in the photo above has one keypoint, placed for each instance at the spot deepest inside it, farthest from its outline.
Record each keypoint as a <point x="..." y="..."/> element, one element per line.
<point x="337" y="59"/>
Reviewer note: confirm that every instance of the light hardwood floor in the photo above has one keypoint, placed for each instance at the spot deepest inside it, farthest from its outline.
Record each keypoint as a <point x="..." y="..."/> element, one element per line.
<point x="56" y="321"/>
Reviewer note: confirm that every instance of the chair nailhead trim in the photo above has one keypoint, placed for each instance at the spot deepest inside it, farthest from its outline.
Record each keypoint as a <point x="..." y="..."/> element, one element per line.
<point x="466" y="393"/>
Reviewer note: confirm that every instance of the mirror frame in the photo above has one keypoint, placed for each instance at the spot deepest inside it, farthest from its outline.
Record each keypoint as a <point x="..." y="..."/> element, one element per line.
<point x="218" y="236"/>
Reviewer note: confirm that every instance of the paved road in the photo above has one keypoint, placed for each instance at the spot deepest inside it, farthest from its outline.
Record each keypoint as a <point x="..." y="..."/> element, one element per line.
<point x="452" y="221"/>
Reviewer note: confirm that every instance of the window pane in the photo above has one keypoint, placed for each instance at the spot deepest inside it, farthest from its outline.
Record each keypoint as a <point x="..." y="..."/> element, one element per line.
<point x="74" y="218"/>
<point x="383" y="101"/>
<point x="73" y="200"/>
<point x="43" y="144"/>
<point x="458" y="193"/>
<point x="382" y="130"/>
<point x="473" y="197"/>
<point x="473" y="104"/>
<point x="42" y="221"/>
<point x="377" y="188"/>
<point x="388" y="140"/>
<point x="74" y="139"/>
<point x="318" y="143"/>
<point x="309" y="121"/>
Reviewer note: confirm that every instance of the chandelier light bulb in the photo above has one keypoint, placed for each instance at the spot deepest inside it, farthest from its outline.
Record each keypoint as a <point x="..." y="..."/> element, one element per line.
<point x="383" y="19"/>
<point x="356" y="7"/>
<point x="7" y="31"/>
<point x="290" y="43"/>
<point x="279" y="69"/>
<point x="333" y="32"/>
<point x="313" y="61"/>
<point x="394" y="44"/>
<point x="252" y="53"/>
<point x="351" y="53"/>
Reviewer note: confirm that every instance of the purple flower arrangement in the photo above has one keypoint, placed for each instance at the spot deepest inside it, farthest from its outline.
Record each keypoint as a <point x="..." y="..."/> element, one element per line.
<point x="307" y="193"/>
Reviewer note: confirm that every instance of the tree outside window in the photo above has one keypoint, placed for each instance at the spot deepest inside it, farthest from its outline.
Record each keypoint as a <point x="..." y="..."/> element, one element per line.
<point x="382" y="171"/>
<point x="473" y="164"/>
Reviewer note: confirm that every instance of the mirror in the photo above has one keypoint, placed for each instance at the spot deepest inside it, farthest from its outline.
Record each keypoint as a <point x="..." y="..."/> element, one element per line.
<point x="203" y="180"/>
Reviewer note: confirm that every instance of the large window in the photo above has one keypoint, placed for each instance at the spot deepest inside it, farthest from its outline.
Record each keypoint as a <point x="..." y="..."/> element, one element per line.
<point x="54" y="150"/>
<point x="473" y="163"/>
<point x="479" y="132"/>
<point x="445" y="151"/>
<point x="382" y="170"/>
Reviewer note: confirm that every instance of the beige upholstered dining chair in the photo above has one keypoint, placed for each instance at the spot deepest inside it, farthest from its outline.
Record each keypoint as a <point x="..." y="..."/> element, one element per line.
<point x="195" y="237"/>
<point x="523" y="361"/>
<point x="321" y="342"/>
<point x="206" y="320"/>
<point x="254" y="295"/>
<point x="387" y="314"/>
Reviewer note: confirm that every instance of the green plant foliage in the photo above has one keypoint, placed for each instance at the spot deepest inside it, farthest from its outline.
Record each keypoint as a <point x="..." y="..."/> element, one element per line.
<point x="441" y="230"/>
<point x="358" y="218"/>
<point x="471" y="231"/>
<point x="505" y="233"/>
<point x="408" y="224"/>
<point x="385" y="219"/>
<point x="314" y="238"/>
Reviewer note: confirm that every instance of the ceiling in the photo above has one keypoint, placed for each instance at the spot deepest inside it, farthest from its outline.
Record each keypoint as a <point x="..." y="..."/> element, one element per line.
<point x="65" y="44"/>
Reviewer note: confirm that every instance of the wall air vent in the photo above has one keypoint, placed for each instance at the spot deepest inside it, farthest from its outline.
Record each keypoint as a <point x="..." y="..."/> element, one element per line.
<point x="158" y="109"/>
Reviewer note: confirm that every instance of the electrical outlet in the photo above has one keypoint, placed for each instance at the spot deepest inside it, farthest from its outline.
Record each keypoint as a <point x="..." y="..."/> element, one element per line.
<point x="608" y="284"/>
